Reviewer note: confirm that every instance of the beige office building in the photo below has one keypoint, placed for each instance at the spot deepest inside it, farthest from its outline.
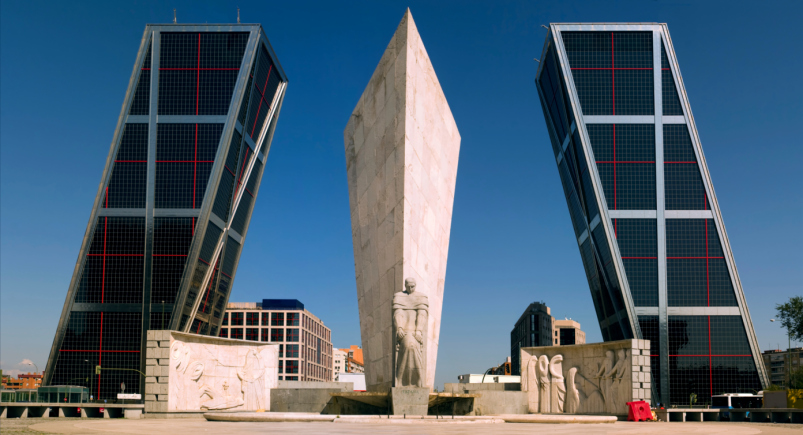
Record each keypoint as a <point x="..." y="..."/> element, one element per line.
<point x="305" y="343"/>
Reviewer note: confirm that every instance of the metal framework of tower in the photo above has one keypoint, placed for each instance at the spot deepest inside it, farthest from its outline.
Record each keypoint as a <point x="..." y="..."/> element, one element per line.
<point x="175" y="199"/>
<point x="643" y="208"/>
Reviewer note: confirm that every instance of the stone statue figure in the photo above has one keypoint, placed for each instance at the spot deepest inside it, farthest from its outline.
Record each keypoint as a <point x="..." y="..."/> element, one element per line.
<point x="558" y="386"/>
<point x="605" y="376"/>
<point x="542" y="374"/>
<point x="252" y="382"/>
<point x="410" y="314"/>
<point x="531" y="384"/>
<point x="572" y="404"/>
<point x="591" y="401"/>
<point x="615" y="375"/>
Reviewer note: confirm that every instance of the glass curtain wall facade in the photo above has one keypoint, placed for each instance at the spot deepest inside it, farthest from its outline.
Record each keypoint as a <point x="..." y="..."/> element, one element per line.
<point x="175" y="198"/>
<point x="534" y="328"/>
<point x="646" y="220"/>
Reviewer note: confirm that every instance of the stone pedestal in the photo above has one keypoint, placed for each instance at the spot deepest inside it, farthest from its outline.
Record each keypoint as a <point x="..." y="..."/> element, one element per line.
<point x="596" y="378"/>
<point x="189" y="373"/>
<point x="409" y="400"/>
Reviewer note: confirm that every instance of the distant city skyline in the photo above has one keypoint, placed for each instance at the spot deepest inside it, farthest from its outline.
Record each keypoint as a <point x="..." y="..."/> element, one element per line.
<point x="512" y="241"/>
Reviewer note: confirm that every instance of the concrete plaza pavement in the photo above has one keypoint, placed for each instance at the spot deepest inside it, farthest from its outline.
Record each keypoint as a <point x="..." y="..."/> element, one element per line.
<point x="198" y="427"/>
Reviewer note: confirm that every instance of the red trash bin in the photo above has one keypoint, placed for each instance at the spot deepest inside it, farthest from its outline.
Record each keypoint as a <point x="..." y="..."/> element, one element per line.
<point x="638" y="411"/>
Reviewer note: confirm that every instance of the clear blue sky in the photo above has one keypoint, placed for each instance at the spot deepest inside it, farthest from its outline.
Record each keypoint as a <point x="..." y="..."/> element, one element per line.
<point x="65" y="68"/>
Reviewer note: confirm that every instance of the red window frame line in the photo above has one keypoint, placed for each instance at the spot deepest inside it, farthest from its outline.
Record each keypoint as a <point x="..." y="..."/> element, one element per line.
<point x="165" y="161"/>
<point x="96" y="350"/>
<point x="113" y="255"/>
<point x="691" y="258"/>
<point x="717" y="356"/>
<point x="199" y="68"/>
<point x="240" y="178"/>
<point x="261" y="99"/>
<point x="616" y="69"/>
<point x="613" y="91"/>
<point x="605" y="69"/>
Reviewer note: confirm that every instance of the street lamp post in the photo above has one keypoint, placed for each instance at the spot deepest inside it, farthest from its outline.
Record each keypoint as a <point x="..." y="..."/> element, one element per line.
<point x="31" y="363"/>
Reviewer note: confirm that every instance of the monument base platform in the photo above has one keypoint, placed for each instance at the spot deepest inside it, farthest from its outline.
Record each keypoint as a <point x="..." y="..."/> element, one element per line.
<point x="398" y="419"/>
<point x="409" y="400"/>
<point x="367" y="403"/>
<point x="490" y="399"/>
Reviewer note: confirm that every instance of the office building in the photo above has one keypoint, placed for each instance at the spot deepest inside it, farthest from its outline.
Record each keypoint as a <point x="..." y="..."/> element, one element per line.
<point x="645" y="217"/>
<point x="566" y="332"/>
<point x="339" y="358"/>
<point x="778" y="364"/>
<point x="349" y="360"/>
<point x="354" y="360"/>
<point x="29" y="381"/>
<point x="534" y="328"/>
<point x="174" y="202"/>
<point x="305" y="343"/>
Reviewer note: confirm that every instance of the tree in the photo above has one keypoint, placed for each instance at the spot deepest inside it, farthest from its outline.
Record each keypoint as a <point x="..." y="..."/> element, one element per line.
<point x="791" y="316"/>
<point x="796" y="378"/>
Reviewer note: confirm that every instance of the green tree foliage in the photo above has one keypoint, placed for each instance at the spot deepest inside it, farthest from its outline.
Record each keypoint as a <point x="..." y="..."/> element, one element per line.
<point x="791" y="316"/>
<point x="797" y="379"/>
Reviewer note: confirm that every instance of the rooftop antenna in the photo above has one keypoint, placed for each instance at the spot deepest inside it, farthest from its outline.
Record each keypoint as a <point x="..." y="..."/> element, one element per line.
<point x="174" y="15"/>
<point x="238" y="15"/>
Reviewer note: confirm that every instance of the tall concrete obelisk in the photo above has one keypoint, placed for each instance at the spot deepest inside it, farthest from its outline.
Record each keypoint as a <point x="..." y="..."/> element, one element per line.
<point x="402" y="146"/>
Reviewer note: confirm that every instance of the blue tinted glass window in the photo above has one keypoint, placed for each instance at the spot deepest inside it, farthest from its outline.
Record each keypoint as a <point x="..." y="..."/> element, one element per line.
<point x="140" y="104"/>
<point x="612" y="71"/>
<point x="625" y="159"/>
<point x="185" y="154"/>
<point x="670" y="101"/>
<point x="198" y="71"/>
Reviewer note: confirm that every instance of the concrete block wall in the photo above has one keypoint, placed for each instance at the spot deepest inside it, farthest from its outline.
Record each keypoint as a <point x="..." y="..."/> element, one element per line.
<point x="157" y="367"/>
<point x="641" y="371"/>
<point x="297" y="396"/>
<point x="495" y="398"/>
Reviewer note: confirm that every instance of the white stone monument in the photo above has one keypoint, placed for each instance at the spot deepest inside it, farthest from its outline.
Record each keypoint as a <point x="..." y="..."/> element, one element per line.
<point x="598" y="378"/>
<point x="193" y="373"/>
<point x="402" y="147"/>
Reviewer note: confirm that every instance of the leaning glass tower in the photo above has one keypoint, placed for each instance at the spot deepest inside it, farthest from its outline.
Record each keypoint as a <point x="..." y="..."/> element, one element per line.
<point x="174" y="202"/>
<point x="645" y="216"/>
